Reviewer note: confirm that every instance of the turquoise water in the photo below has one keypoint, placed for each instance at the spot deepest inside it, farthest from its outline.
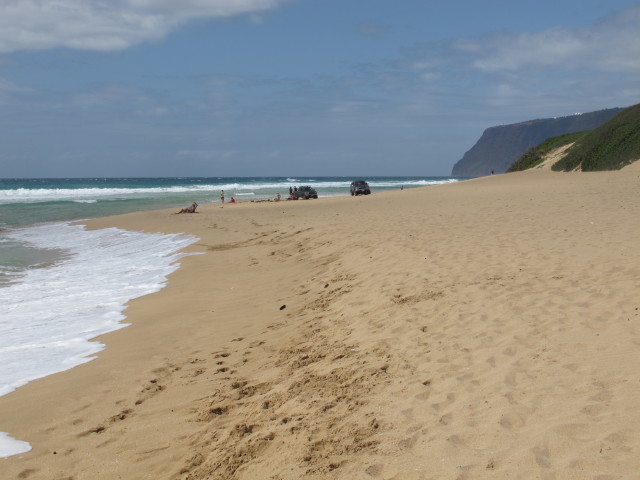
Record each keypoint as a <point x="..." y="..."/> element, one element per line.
<point x="31" y="201"/>
<point x="27" y="202"/>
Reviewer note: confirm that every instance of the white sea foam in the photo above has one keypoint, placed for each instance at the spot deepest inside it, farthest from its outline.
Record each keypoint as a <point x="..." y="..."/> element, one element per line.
<point x="10" y="446"/>
<point x="90" y="195"/>
<point x="70" y="194"/>
<point x="49" y="316"/>
<point x="409" y="183"/>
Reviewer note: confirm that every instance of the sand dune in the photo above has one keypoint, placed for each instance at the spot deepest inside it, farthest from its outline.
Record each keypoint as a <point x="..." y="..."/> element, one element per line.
<point x="485" y="329"/>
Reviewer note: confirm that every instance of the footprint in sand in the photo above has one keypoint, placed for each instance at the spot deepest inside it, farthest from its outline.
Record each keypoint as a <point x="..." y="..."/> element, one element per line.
<point x="445" y="403"/>
<point x="542" y="456"/>
<point x="408" y="443"/>
<point x="511" y="351"/>
<point x="512" y="421"/>
<point x="510" y="379"/>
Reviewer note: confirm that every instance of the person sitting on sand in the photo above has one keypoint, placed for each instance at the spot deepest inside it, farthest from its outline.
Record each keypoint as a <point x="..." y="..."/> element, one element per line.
<point x="233" y="200"/>
<point x="191" y="209"/>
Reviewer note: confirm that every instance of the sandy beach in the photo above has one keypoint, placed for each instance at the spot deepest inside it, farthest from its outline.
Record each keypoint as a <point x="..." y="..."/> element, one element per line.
<point x="487" y="329"/>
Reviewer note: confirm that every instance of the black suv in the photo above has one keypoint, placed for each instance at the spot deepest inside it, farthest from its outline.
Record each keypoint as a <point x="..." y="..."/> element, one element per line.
<point x="360" y="187"/>
<point x="306" y="193"/>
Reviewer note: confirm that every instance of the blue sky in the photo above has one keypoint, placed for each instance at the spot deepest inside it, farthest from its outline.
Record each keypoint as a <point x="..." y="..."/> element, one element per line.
<point x="295" y="87"/>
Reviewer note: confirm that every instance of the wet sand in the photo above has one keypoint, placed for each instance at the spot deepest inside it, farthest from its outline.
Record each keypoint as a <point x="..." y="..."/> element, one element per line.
<point x="484" y="329"/>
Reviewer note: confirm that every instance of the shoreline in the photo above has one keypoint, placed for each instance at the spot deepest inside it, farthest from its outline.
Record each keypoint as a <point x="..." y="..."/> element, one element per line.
<point x="487" y="326"/>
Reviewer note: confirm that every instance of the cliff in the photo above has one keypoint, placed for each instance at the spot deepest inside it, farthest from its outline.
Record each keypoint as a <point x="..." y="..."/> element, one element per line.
<point x="501" y="146"/>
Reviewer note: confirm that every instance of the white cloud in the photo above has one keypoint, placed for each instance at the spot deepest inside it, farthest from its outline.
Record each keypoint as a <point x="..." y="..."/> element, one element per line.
<point x="107" y="25"/>
<point x="610" y="45"/>
<point x="554" y="70"/>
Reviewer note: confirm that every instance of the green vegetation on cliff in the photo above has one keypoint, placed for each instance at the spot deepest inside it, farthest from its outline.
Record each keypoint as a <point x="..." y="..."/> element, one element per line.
<point x="536" y="155"/>
<point x="610" y="146"/>
<point x="502" y="145"/>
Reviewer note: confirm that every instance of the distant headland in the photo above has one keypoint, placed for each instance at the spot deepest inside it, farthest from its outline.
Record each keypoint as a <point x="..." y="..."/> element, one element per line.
<point x="500" y="146"/>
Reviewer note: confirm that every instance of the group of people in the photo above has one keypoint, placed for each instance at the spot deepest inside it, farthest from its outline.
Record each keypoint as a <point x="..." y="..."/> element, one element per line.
<point x="233" y="200"/>
<point x="194" y="205"/>
<point x="292" y="196"/>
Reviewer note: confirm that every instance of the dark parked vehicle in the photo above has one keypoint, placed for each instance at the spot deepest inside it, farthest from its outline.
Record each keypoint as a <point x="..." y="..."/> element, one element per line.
<point x="306" y="193"/>
<point x="360" y="187"/>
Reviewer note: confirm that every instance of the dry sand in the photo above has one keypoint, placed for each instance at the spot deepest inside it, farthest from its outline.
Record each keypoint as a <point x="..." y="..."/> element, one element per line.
<point x="488" y="329"/>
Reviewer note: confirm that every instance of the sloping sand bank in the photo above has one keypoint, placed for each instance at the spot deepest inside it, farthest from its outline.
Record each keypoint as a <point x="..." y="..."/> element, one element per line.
<point x="480" y="330"/>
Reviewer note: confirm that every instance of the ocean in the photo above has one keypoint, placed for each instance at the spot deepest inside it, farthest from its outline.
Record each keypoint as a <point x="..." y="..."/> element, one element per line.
<point x="48" y="317"/>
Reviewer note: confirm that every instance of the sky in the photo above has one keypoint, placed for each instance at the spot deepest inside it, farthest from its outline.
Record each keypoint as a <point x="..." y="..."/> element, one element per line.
<point x="207" y="88"/>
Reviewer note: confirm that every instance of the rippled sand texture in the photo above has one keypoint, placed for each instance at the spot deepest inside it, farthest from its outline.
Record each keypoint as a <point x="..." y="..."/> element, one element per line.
<point x="486" y="329"/>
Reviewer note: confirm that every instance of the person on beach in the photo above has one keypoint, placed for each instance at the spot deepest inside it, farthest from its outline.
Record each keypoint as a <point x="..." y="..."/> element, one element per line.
<point x="191" y="209"/>
<point x="290" y="191"/>
<point x="233" y="200"/>
<point x="222" y="196"/>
